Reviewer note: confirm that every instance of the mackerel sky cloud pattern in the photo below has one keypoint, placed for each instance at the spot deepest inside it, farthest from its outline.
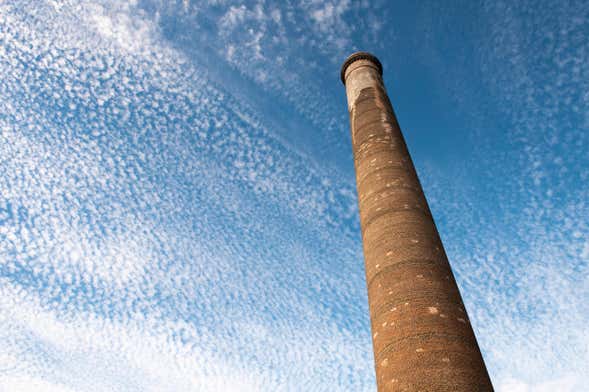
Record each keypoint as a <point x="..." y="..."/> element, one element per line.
<point x="178" y="206"/>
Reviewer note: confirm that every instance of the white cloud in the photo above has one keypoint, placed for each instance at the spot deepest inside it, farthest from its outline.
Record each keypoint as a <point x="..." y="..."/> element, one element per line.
<point x="124" y="25"/>
<point x="130" y="204"/>
<point x="234" y="16"/>
<point x="329" y="14"/>
<point x="567" y="383"/>
<point x="30" y="384"/>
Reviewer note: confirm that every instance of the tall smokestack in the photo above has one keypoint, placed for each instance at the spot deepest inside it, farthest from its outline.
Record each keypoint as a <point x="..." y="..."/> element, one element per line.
<point x="421" y="335"/>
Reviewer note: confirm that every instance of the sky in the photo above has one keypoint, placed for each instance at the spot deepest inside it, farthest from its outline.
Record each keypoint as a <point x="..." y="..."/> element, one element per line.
<point x="177" y="196"/>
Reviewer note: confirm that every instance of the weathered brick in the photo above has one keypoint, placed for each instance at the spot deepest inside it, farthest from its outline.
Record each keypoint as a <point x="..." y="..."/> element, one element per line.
<point x="422" y="338"/>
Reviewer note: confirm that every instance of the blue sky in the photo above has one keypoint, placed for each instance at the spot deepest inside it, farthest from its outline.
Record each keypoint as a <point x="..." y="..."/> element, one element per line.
<point x="177" y="196"/>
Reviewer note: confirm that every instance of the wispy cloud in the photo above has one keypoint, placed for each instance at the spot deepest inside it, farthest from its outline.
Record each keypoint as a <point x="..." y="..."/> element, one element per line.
<point x="133" y="253"/>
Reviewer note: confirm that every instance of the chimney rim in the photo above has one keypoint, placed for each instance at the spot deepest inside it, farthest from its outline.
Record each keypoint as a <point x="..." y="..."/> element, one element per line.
<point x="359" y="56"/>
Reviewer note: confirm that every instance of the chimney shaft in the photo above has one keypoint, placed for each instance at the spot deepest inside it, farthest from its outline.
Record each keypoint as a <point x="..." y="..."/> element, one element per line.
<point x="421" y="334"/>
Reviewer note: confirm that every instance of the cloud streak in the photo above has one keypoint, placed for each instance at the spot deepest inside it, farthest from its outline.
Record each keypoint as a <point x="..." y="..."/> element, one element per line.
<point x="133" y="247"/>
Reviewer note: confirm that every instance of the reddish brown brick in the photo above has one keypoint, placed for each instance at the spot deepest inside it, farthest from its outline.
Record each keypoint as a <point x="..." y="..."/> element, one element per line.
<point x="421" y="335"/>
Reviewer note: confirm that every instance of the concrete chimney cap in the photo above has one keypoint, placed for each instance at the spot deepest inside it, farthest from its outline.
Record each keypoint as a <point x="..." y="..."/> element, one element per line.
<point x="359" y="56"/>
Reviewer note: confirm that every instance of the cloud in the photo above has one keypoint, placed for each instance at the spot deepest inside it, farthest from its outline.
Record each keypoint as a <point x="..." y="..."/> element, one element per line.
<point x="138" y="210"/>
<point x="28" y="384"/>
<point x="568" y="383"/>
<point x="328" y="15"/>
<point x="234" y="16"/>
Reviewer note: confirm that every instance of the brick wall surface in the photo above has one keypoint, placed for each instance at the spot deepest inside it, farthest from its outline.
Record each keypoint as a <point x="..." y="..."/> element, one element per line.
<point x="422" y="337"/>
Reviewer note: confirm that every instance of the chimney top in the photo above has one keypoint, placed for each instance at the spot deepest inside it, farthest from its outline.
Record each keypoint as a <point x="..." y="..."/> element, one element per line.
<point x="359" y="56"/>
